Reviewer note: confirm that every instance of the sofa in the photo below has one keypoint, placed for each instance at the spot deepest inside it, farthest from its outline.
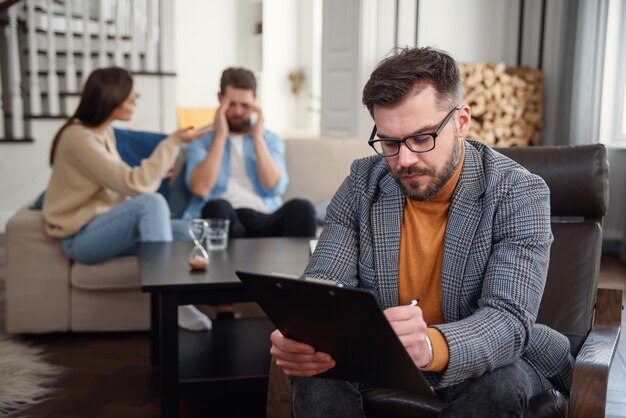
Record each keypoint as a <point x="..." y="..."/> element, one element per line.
<point x="46" y="292"/>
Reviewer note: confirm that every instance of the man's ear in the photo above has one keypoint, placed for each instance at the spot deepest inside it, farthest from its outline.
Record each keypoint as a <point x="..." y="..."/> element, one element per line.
<point x="220" y="96"/>
<point x="465" y="120"/>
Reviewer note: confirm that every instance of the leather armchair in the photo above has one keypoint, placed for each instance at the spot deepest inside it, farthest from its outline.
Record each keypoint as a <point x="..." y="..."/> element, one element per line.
<point x="572" y="303"/>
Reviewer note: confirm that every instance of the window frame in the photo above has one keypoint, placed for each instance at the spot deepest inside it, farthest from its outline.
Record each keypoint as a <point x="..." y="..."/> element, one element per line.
<point x="613" y="128"/>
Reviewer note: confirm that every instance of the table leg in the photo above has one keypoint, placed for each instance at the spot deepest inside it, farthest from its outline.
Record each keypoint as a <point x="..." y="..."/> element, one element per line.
<point x="169" y="355"/>
<point x="155" y="329"/>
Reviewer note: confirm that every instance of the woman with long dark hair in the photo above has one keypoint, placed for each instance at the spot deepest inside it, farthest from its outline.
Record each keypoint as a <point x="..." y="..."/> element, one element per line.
<point x="97" y="205"/>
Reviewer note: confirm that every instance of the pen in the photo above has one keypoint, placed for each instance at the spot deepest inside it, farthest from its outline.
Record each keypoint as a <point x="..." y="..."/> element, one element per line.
<point x="414" y="302"/>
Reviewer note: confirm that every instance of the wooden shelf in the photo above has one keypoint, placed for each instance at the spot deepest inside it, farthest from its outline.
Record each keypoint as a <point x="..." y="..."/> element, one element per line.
<point x="235" y="350"/>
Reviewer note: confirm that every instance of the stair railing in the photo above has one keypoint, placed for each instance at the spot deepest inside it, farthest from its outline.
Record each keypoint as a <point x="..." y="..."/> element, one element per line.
<point x="34" y="90"/>
<point x="71" y="84"/>
<point x="114" y="32"/>
<point x="54" y="101"/>
<point x="14" y="77"/>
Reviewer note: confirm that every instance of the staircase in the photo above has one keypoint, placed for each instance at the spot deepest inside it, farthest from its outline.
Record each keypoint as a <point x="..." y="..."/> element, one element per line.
<point x="49" y="47"/>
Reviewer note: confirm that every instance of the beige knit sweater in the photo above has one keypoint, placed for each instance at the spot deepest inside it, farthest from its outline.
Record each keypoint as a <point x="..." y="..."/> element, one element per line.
<point x="89" y="177"/>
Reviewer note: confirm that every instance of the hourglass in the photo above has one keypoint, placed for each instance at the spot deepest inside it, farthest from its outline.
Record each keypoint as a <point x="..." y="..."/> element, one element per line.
<point x="198" y="230"/>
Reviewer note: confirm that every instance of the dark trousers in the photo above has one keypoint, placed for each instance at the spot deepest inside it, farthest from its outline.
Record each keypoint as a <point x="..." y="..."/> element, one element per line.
<point x="296" y="218"/>
<point x="503" y="392"/>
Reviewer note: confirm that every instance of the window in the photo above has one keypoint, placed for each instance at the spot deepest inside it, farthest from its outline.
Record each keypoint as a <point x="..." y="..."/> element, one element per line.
<point x="613" y="110"/>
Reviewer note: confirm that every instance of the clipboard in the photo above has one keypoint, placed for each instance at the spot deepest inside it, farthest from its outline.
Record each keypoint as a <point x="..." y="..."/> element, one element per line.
<point x="345" y="322"/>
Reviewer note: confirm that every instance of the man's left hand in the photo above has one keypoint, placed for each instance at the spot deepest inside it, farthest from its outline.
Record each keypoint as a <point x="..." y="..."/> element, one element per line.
<point x="408" y="324"/>
<point x="257" y="129"/>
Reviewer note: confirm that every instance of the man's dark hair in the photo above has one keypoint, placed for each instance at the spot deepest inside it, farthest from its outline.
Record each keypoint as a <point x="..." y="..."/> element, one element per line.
<point x="409" y="70"/>
<point x="239" y="78"/>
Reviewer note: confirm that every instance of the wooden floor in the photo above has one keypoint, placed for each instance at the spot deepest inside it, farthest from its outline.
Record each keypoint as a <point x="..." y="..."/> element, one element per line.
<point x="108" y="375"/>
<point x="613" y="275"/>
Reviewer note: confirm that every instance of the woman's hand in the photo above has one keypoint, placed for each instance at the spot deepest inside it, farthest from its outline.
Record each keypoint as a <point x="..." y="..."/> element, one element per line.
<point x="169" y="173"/>
<point x="298" y="359"/>
<point x="188" y="134"/>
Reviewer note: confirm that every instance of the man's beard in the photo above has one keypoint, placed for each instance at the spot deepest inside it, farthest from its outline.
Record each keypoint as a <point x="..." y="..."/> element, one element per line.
<point x="239" y="128"/>
<point x="438" y="179"/>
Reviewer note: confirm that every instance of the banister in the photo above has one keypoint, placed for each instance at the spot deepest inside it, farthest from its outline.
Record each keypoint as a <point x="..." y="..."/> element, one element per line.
<point x="6" y="4"/>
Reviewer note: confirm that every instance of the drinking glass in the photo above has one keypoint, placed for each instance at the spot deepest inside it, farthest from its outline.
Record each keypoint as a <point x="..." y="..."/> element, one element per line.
<point x="217" y="233"/>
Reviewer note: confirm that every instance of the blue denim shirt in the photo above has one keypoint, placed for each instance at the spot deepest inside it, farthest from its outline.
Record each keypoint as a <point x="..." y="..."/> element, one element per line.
<point x="197" y="150"/>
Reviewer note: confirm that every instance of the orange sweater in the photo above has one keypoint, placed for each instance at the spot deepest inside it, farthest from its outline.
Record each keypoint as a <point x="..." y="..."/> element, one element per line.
<point x="421" y="258"/>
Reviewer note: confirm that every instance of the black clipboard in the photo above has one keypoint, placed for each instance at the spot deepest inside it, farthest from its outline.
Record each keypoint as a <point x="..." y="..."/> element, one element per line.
<point x="345" y="322"/>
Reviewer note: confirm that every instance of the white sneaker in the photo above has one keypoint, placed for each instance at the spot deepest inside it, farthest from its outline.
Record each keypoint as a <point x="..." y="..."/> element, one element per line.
<point x="190" y="318"/>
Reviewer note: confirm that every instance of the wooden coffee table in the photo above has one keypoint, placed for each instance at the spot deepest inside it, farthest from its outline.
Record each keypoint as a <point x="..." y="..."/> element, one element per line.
<point x="234" y="355"/>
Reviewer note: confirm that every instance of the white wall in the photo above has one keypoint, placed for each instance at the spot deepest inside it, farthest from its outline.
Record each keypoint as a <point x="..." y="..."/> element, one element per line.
<point x="471" y="30"/>
<point x="204" y="46"/>
<point x="280" y="56"/>
<point x="24" y="170"/>
<point x="155" y="109"/>
<point x="212" y="35"/>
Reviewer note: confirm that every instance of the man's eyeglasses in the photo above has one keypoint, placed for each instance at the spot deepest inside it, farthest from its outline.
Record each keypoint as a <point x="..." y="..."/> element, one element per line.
<point x="388" y="147"/>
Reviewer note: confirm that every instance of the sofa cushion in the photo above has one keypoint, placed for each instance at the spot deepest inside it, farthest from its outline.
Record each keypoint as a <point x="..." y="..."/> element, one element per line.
<point x="114" y="274"/>
<point x="38" y="203"/>
<point x="317" y="167"/>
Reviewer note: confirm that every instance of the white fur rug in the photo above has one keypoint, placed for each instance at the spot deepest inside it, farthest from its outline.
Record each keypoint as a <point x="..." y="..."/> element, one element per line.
<point x="25" y="377"/>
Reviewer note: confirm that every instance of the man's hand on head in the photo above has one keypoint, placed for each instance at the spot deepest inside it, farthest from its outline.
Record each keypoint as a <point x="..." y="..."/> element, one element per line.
<point x="220" y="125"/>
<point x="257" y="129"/>
<point x="298" y="359"/>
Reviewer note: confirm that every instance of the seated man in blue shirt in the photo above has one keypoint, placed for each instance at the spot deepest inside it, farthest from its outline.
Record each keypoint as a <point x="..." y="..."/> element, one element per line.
<point x="238" y="170"/>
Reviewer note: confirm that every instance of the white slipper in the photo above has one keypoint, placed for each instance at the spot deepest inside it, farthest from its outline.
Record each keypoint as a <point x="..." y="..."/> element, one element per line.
<point x="190" y="318"/>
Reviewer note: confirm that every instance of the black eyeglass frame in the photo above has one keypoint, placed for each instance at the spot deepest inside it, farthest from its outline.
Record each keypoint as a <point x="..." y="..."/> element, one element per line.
<point x="371" y="142"/>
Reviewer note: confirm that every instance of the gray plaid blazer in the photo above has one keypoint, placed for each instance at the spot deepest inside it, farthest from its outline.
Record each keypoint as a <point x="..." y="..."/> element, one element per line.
<point x="495" y="262"/>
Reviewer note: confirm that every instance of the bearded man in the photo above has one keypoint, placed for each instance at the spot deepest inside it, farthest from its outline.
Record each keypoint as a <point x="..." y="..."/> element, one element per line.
<point x="238" y="171"/>
<point x="449" y="222"/>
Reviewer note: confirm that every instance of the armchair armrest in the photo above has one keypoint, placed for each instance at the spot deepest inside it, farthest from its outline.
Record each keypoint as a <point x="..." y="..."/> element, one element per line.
<point x="591" y="369"/>
<point x="279" y="393"/>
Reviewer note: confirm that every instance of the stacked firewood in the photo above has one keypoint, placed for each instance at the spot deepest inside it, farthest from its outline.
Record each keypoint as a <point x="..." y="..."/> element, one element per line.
<point x="507" y="103"/>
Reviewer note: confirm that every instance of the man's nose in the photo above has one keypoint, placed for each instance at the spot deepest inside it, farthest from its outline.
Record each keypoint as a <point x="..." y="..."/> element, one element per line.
<point x="406" y="157"/>
<point x="238" y="109"/>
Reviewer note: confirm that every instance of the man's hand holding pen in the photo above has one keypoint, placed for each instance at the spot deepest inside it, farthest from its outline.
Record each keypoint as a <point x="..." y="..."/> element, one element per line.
<point x="409" y="325"/>
<point x="298" y="359"/>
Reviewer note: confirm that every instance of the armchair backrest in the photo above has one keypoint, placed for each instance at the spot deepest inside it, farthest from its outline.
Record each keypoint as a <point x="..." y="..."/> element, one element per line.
<point x="578" y="180"/>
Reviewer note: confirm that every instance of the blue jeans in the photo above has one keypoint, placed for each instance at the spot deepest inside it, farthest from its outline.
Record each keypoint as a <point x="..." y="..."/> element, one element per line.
<point x="143" y="218"/>
<point x="503" y="392"/>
